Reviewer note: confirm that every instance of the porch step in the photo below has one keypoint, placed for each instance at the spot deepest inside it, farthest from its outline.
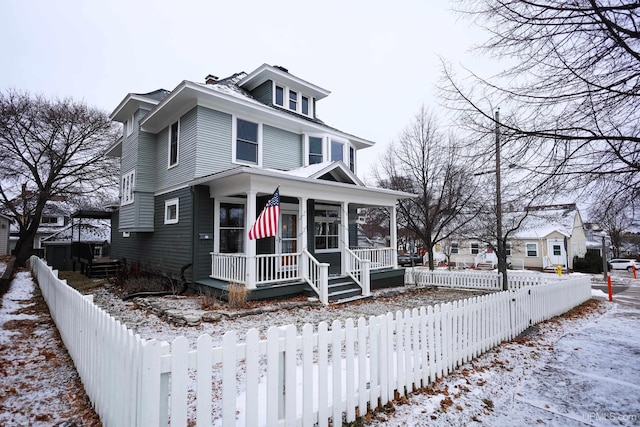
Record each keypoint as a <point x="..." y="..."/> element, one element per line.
<point x="341" y="288"/>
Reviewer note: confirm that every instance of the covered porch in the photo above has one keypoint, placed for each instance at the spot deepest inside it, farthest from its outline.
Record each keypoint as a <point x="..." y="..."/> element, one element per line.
<point x="316" y="240"/>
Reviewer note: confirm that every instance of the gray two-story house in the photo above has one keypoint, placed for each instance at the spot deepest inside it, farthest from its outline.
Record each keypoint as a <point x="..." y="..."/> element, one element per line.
<point x="198" y="164"/>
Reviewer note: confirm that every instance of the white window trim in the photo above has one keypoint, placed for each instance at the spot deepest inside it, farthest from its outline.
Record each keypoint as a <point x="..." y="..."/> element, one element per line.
<point x="471" y="248"/>
<point x="234" y="139"/>
<point x="169" y="164"/>
<point x="129" y="125"/>
<point x="167" y="205"/>
<point x="285" y="99"/>
<point x="307" y="147"/>
<point x="127" y="187"/>
<point x="216" y="219"/>
<point x="526" y="250"/>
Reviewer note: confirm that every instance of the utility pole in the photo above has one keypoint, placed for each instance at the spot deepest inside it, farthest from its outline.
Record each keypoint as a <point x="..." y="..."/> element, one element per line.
<point x="501" y="244"/>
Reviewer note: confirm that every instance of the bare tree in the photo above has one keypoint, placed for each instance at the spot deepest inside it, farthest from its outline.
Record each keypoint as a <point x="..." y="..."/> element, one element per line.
<point x="571" y="89"/>
<point x="426" y="162"/>
<point x="615" y="217"/>
<point x="50" y="150"/>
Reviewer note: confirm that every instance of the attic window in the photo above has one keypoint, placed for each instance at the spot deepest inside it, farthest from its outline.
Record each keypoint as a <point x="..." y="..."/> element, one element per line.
<point x="305" y="106"/>
<point x="280" y="96"/>
<point x="293" y="100"/>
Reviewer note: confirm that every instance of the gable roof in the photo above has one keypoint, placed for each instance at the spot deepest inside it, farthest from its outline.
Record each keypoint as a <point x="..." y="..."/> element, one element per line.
<point x="541" y="221"/>
<point x="330" y="170"/>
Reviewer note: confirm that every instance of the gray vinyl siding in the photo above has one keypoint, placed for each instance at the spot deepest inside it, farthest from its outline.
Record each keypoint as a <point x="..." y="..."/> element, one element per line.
<point x="137" y="216"/>
<point x="264" y="93"/>
<point x="214" y="141"/>
<point x="168" y="248"/>
<point x="202" y="232"/>
<point x="187" y="140"/>
<point x="146" y="167"/>
<point x="276" y="142"/>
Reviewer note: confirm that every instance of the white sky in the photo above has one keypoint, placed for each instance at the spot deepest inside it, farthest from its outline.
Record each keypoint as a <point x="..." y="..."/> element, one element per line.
<point x="379" y="59"/>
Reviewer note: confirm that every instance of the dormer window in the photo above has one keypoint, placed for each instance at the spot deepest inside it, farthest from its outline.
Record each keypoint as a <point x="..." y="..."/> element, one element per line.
<point x="293" y="100"/>
<point x="280" y="96"/>
<point x="337" y="150"/>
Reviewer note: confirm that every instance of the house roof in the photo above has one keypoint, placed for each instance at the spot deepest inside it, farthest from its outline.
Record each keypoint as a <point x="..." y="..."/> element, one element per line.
<point x="326" y="181"/>
<point x="280" y="74"/>
<point x="542" y="221"/>
<point x="230" y="95"/>
<point x="133" y="101"/>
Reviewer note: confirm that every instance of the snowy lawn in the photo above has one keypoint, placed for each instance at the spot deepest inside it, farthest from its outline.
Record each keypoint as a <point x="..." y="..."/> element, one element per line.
<point x="553" y="376"/>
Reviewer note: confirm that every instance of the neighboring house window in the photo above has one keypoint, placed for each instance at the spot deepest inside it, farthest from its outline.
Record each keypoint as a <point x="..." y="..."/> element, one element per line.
<point x="231" y="228"/>
<point x="126" y="234"/>
<point x="352" y="159"/>
<point x="127" y="188"/>
<point x="174" y="133"/>
<point x="556" y="250"/>
<point x="507" y="248"/>
<point x="246" y="141"/>
<point x="315" y="150"/>
<point x="280" y="96"/>
<point x="475" y="248"/>
<point x="97" y="251"/>
<point x="171" y="208"/>
<point x="293" y="100"/>
<point x="305" y="106"/>
<point x="455" y="247"/>
<point x="327" y="226"/>
<point x="337" y="150"/>
<point x="532" y="249"/>
<point x="51" y="220"/>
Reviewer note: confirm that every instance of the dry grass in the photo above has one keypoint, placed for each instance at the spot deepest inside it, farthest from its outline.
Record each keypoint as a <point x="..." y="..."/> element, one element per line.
<point x="237" y="295"/>
<point x="81" y="282"/>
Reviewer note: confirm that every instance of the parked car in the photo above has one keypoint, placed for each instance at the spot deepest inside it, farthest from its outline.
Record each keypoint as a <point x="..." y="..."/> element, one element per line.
<point x="405" y="259"/>
<point x="623" y="264"/>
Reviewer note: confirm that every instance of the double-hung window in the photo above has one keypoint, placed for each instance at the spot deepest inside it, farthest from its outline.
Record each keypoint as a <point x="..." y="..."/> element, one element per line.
<point x="293" y="100"/>
<point x="532" y="249"/>
<point x="475" y="248"/>
<point x="304" y="107"/>
<point x="455" y="247"/>
<point x="246" y="141"/>
<point x="174" y="135"/>
<point x="315" y="150"/>
<point x="507" y="248"/>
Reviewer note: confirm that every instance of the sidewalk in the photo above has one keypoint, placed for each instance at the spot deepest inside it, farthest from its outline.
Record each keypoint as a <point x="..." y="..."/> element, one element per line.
<point x="593" y="377"/>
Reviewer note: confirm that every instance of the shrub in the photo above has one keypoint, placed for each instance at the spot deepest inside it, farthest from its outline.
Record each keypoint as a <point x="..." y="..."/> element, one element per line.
<point x="237" y="295"/>
<point x="591" y="263"/>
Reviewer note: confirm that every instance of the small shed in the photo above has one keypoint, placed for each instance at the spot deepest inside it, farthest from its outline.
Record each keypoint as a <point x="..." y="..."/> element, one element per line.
<point x="5" y="223"/>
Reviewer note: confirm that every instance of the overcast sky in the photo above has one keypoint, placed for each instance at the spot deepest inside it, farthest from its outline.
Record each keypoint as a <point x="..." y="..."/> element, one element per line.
<point x="379" y="59"/>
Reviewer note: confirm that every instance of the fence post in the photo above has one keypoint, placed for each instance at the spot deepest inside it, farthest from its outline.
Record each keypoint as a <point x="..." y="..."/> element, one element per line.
<point x="323" y="282"/>
<point x="366" y="278"/>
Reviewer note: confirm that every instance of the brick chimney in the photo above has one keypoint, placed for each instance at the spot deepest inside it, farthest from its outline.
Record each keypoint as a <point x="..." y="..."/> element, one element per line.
<point x="210" y="79"/>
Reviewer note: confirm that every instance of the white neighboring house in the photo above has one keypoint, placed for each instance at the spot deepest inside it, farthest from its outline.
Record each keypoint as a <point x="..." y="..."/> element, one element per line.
<point x="551" y="235"/>
<point x="55" y="217"/>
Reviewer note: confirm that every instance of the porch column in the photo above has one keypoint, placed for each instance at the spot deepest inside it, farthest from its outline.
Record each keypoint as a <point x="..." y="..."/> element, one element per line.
<point x="302" y="234"/>
<point x="393" y="235"/>
<point x="344" y="236"/>
<point x="250" y="248"/>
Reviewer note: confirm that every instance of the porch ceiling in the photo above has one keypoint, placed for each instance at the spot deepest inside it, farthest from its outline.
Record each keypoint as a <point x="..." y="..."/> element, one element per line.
<point x="243" y="179"/>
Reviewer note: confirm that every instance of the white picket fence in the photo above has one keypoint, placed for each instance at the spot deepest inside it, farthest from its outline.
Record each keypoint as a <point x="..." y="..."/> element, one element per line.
<point x="488" y="280"/>
<point x="328" y="373"/>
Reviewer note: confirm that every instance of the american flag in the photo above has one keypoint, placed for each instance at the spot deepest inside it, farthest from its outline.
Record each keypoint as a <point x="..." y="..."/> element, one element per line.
<point x="267" y="223"/>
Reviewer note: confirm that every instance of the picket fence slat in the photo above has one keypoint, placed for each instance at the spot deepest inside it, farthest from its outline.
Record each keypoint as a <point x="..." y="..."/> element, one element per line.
<point x="314" y="378"/>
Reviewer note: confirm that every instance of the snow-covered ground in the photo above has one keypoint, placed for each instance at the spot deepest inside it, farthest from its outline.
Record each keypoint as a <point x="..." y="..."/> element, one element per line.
<point x="581" y="369"/>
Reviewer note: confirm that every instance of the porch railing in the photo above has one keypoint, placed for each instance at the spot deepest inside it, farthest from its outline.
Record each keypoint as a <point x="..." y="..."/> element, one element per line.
<point x="379" y="257"/>
<point x="316" y="274"/>
<point x="359" y="270"/>
<point x="229" y="267"/>
<point x="275" y="268"/>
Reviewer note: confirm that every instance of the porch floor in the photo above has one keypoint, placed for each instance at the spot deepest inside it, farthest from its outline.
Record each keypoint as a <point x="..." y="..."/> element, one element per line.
<point x="276" y="290"/>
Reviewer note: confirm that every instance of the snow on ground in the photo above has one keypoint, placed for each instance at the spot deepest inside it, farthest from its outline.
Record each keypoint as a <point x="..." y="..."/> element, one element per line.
<point x="580" y="369"/>
<point x="38" y="382"/>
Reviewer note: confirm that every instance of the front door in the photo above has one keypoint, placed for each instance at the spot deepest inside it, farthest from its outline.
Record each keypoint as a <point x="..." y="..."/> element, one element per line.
<point x="556" y="252"/>
<point x="288" y="242"/>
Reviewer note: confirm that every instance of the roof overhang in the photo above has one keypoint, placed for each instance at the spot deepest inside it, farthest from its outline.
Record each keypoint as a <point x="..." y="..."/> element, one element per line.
<point x="239" y="180"/>
<point x="130" y="105"/>
<point x="188" y="94"/>
<point x="267" y="72"/>
<point x="115" y="149"/>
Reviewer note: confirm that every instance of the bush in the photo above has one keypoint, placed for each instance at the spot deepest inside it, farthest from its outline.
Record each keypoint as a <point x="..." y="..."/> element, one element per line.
<point x="237" y="295"/>
<point x="591" y="263"/>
